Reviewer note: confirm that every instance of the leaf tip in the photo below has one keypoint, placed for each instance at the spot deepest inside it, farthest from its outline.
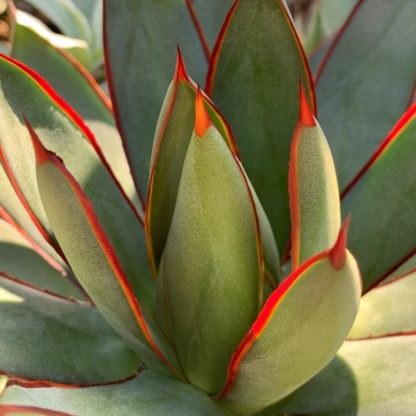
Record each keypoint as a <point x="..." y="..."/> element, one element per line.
<point x="180" y="72"/>
<point x="306" y="117"/>
<point x="338" y="252"/>
<point x="41" y="153"/>
<point x="202" y="120"/>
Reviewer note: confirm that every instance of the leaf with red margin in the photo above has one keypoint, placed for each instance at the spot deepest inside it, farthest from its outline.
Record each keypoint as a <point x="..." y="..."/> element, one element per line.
<point x="253" y="78"/>
<point x="76" y="86"/>
<point x="94" y="260"/>
<point x="149" y="394"/>
<point x="362" y="91"/>
<point x="23" y="91"/>
<point x="12" y="410"/>
<point x="140" y="40"/>
<point x="299" y="330"/>
<point x="48" y="337"/>
<point x="213" y="265"/>
<point x="313" y="189"/>
<point x="388" y="308"/>
<point x="172" y="137"/>
<point x="367" y="377"/>
<point x="18" y="258"/>
<point x="211" y="16"/>
<point x="382" y="202"/>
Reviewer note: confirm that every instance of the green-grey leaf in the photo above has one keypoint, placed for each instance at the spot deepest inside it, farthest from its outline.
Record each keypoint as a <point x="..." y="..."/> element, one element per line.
<point x="381" y="239"/>
<point x="48" y="338"/>
<point x="141" y="41"/>
<point x="78" y="89"/>
<point x="313" y="189"/>
<point x="298" y="332"/>
<point x="149" y="394"/>
<point x="387" y="309"/>
<point x="94" y="262"/>
<point x="357" y="107"/>
<point x="66" y="16"/>
<point x="17" y="258"/>
<point x="254" y="81"/>
<point x="210" y="269"/>
<point x="367" y="378"/>
<point x="21" y="94"/>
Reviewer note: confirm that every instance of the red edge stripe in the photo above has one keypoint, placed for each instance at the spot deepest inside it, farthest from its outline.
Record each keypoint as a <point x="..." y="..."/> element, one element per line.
<point x="46" y="256"/>
<point x="336" y="40"/>
<point x="10" y="409"/>
<point x="45" y="156"/>
<point x="396" y="279"/>
<point x="113" y="95"/>
<point x="22" y="198"/>
<point x="76" y="119"/>
<point x="28" y="383"/>
<point x="218" y="46"/>
<point x="262" y="320"/>
<point x="199" y="30"/>
<point x="403" y="122"/>
<point x="389" y="335"/>
<point x="41" y="290"/>
<point x="181" y="75"/>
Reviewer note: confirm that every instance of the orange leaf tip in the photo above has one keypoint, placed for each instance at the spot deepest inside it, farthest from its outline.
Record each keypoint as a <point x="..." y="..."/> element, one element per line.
<point x="41" y="153"/>
<point x="338" y="252"/>
<point x="180" y="72"/>
<point x="306" y="117"/>
<point x="202" y="120"/>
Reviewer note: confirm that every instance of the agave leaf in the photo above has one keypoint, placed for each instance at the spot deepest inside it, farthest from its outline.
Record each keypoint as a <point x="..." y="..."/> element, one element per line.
<point x="211" y="16"/>
<point x="45" y="337"/>
<point x="139" y="75"/>
<point x="297" y="333"/>
<point x="383" y="239"/>
<point x="3" y="383"/>
<point x="76" y="47"/>
<point x="93" y="258"/>
<point x="253" y="78"/>
<point x="23" y="92"/>
<point x="66" y="16"/>
<point x="217" y="281"/>
<point x="387" y="309"/>
<point x="12" y="410"/>
<point x="367" y="378"/>
<point x="313" y="189"/>
<point x="17" y="258"/>
<point x="75" y="85"/>
<point x="149" y="394"/>
<point x="173" y="134"/>
<point x="408" y="266"/>
<point x="357" y="114"/>
<point x="10" y="203"/>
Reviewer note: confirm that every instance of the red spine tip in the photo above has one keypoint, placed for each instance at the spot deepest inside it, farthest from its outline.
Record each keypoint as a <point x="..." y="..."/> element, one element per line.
<point x="306" y="117"/>
<point x="42" y="155"/>
<point x="338" y="252"/>
<point x="180" y="72"/>
<point x="202" y="120"/>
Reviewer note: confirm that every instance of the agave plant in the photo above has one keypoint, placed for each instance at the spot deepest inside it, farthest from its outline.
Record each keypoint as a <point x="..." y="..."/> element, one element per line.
<point x="209" y="257"/>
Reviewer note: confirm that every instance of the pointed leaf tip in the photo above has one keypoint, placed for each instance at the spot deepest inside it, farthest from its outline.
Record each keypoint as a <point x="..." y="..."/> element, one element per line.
<point x="180" y="72"/>
<point x="202" y="120"/>
<point x="41" y="153"/>
<point x="338" y="252"/>
<point x="306" y="116"/>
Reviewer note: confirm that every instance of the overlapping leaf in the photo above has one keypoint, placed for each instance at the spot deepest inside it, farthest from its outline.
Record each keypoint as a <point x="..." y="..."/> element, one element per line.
<point x="367" y="378"/>
<point x="253" y="78"/>
<point x="140" y="41"/>
<point x="93" y="259"/>
<point x="382" y="204"/>
<point x="297" y="333"/>
<point x="44" y="337"/>
<point x="149" y="394"/>
<point x="363" y="90"/>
